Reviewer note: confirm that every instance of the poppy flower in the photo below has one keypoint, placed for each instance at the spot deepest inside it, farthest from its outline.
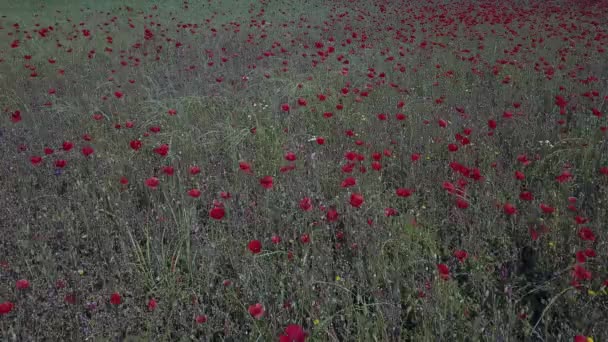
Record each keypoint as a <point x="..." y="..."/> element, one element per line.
<point x="293" y="333"/>
<point x="305" y="238"/>
<point x="461" y="203"/>
<point x="285" y="107"/>
<point x="162" y="150"/>
<point x="404" y="192"/>
<point x="152" y="182"/>
<point x="356" y="200"/>
<point x="332" y="215"/>
<point x="581" y="273"/>
<point x="245" y="167"/>
<point x="22" y="284"/>
<point x="135" y="144"/>
<point x="194" y="170"/>
<point x="194" y="193"/>
<point x="348" y="182"/>
<point x="526" y="196"/>
<point x="172" y="112"/>
<point x="87" y="151"/>
<point x="320" y="140"/>
<point x="586" y="234"/>
<point x="256" y="310"/>
<point x="6" y="308"/>
<point x="67" y="145"/>
<point x="290" y="156"/>
<point x="217" y="213"/>
<point x="306" y="204"/>
<point x="267" y="182"/>
<point x="200" y="319"/>
<point x="444" y="271"/>
<point x="115" y="298"/>
<point x="168" y="170"/>
<point x="16" y="116"/>
<point x="36" y="160"/>
<point x="152" y="304"/>
<point x="509" y="209"/>
<point x="388" y="212"/>
<point x="546" y="208"/>
<point x="255" y="246"/>
<point x="70" y="298"/>
<point x="461" y="255"/>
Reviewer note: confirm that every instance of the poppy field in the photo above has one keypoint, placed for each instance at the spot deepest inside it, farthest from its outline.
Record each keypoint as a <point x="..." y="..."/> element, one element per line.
<point x="304" y="170"/>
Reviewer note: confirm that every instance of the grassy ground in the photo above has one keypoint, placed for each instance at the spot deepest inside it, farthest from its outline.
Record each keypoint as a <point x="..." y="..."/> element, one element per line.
<point x="362" y="171"/>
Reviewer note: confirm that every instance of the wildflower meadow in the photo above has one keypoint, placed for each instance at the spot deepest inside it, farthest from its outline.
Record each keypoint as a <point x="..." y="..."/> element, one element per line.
<point x="304" y="170"/>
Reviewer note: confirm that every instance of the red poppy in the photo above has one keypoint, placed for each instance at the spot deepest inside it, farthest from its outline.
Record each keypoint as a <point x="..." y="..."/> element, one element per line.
<point x="67" y="145"/>
<point x="388" y="212"/>
<point x="87" y="151"/>
<point x="546" y="208"/>
<point x="305" y="238"/>
<point x="194" y="170"/>
<point x="256" y="310"/>
<point x="162" y="150"/>
<point x="152" y="182"/>
<point x="332" y="215"/>
<point x="152" y="304"/>
<point x="255" y="246"/>
<point x="461" y="255"/>
<point x="444" y="271"/>
<point x="285" y="107"/>
<point x="306" y="204"/>
<point x="115" y="298"/>
<point x="461" y="203"/>
<point x="200" y="319"/>
<point x="16" y="116"/>
<point x="404" y="192"/>
<point x="6" y="308"/>
<point x="217" y="213"/>
<point x="70" y="298"/>
<point x="36" y="160"/>
<point x="245" y="167"/>
<point x="22" y="284"/>
<point x="168" y="170"/>
<point x="135" y="144"/>
<point x="293" y="333"/>
<point x="267" y="182"/>
<point x="290" y="156"/>
<point x="194" y="193"/>
<point x="348" y="182"/>
<point x="581" y="273"/>
<point x="526" y="196"/>
<point x="509" y="209"/>
<point x="586" y="234"/>
<point x="356" y="200"/>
